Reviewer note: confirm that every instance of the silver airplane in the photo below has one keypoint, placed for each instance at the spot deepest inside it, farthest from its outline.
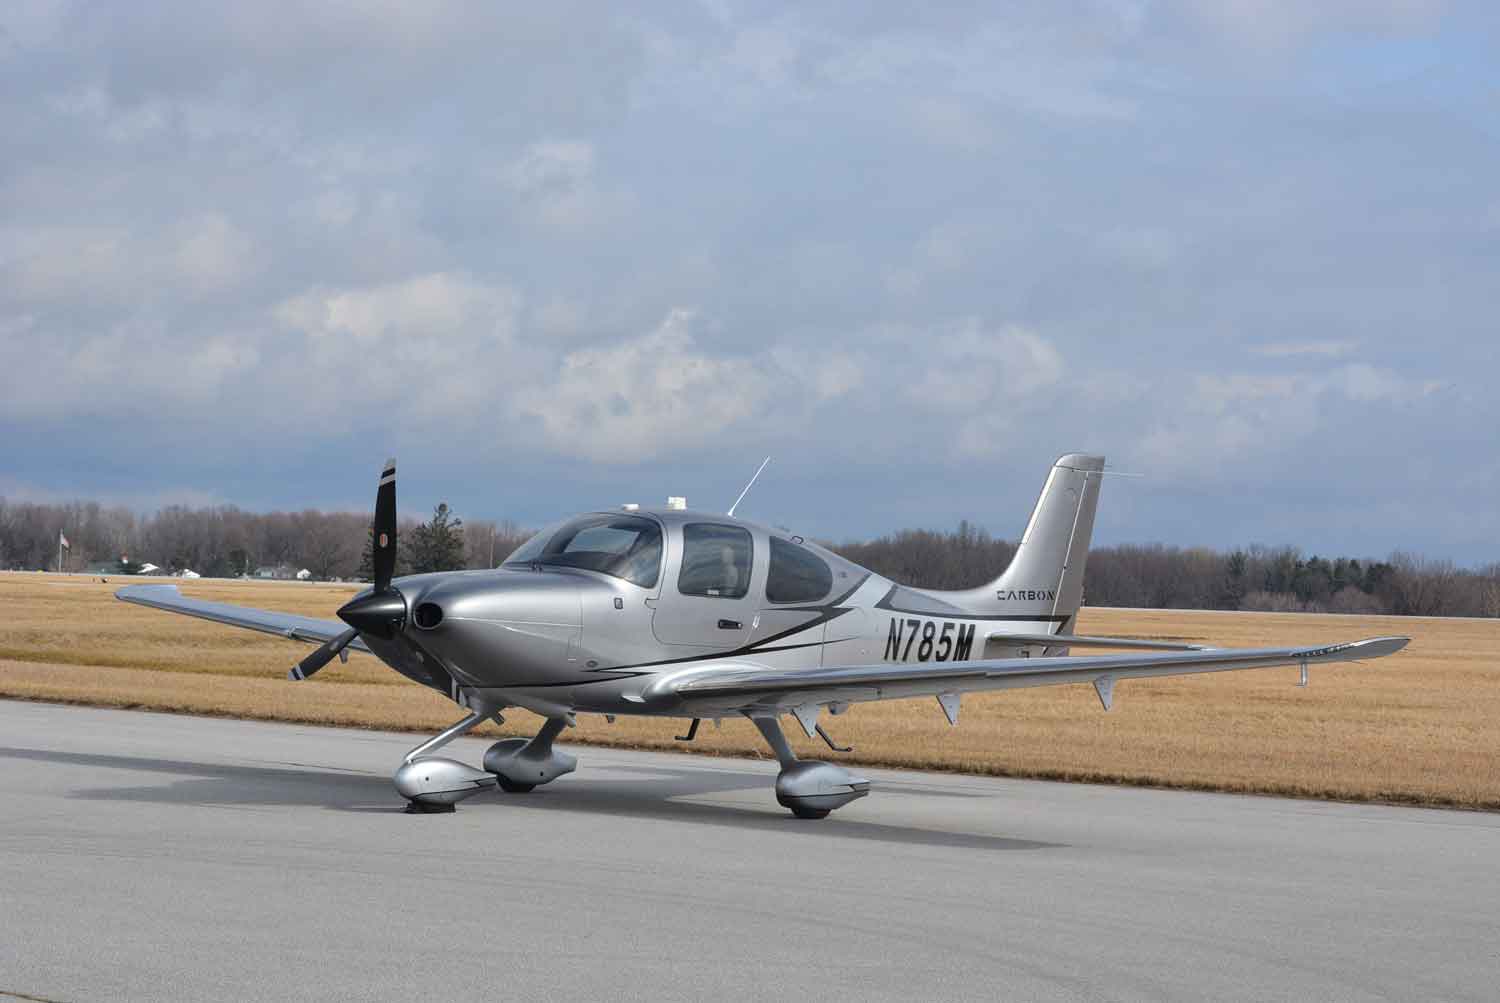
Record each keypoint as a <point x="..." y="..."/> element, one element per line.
<point x="697" y="615"/>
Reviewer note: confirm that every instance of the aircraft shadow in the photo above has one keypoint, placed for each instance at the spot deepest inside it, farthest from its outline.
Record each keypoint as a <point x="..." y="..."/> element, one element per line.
<point x="646" y="800"/>
<point x="662" y="793"/>
<point x="227" y="784"/>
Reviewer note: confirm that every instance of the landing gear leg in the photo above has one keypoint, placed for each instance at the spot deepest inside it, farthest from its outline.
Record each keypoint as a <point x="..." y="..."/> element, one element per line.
<point x="520" y="765"/>
<point x="433" y="785"/>
<point x="809" y="788"/>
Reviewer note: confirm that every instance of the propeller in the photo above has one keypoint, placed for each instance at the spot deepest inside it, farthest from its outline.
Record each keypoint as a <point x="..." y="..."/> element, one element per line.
<point x="381" y="612"/>
<point x="322" y="656"/>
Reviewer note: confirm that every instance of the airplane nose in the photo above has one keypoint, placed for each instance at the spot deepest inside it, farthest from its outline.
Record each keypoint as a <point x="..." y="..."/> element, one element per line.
<point x="379" y="613"/>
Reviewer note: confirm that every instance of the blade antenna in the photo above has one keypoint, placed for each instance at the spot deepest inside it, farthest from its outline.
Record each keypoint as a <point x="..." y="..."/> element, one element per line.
<point x="748" y="486"/>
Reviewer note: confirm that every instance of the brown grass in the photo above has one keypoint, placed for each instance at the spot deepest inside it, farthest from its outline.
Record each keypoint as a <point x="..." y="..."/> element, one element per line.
<point x="1421" y="727"/>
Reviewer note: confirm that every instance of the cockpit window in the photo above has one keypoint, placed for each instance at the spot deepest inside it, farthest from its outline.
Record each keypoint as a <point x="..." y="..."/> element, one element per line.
<point x="532" y="548"/>
<point x="625" y="546"/>
<point x="796" y="574"/>
<point x="715" y="561"/>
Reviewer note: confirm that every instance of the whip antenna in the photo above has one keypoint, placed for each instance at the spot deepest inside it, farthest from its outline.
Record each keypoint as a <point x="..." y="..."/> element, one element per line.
<point x="748" y="486"/>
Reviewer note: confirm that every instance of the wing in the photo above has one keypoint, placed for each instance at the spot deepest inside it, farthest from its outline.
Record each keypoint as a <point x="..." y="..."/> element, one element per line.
<point x="1078" y="641"/>
<point x="298" y="628"/>
<point x="738" y="687"/>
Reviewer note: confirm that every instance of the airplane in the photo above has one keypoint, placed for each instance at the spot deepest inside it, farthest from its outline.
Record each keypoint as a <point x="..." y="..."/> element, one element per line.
<point x="696" y="615"/>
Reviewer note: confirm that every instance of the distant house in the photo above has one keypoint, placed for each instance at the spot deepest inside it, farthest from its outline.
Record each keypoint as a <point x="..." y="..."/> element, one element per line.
<point x="148" y="569"/>
<point x="277" y="572"/>
<point x="303" y="575"/>
<point x="188" y="573"/>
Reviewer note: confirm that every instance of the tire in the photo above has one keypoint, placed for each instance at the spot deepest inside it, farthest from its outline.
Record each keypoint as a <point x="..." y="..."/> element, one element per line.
<point x="511" y="787"/>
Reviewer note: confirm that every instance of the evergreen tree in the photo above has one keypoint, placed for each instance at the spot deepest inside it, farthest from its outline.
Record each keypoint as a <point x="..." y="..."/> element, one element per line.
<point x="366" y="572"/>
<point x="436" y="545"/>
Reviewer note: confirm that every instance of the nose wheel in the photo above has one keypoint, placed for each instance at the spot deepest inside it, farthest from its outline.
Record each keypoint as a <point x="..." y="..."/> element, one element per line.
<point x="432" y="784"/>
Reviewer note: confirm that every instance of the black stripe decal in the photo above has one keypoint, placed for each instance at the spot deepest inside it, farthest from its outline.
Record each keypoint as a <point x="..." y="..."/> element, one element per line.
<point x="959" y="614"/>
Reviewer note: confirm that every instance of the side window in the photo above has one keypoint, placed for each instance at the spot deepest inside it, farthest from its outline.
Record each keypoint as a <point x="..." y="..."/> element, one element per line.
<point x="715" y="561"/>
<point x="796" y="574"/>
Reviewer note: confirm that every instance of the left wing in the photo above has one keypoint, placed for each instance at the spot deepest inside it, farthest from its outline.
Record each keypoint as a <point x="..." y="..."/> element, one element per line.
<point x="289" y="625"/>
<point x="1080" y="641"/>
<point x="737" y="686"/>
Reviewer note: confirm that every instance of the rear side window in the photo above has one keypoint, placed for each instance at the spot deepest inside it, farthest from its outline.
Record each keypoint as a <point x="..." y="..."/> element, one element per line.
<point x="796" y="574"/>
<point x="715" y="561"/>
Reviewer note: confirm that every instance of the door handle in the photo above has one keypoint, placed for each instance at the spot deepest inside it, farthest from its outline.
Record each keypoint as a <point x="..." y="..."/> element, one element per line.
<point x="730" y="625"/>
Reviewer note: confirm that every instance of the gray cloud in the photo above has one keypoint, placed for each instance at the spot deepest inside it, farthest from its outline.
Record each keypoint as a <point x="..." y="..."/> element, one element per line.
<point x="562" y="254"/>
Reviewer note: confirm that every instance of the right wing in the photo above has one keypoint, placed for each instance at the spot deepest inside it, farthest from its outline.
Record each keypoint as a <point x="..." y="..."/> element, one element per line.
<point x="289" y="625"/>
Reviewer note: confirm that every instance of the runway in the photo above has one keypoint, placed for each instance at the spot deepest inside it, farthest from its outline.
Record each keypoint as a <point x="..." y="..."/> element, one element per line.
<point x="147" y="856"/>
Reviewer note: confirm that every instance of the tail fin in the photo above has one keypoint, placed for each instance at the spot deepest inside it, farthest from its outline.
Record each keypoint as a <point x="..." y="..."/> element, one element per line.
<point x="1046" y="575"/>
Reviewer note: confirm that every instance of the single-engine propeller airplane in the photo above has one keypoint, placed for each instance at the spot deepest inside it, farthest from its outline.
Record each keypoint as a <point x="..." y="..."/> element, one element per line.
<point x="675" y="613"/>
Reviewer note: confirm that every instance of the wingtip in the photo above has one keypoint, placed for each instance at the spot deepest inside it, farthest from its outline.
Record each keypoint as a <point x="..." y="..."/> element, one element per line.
<point x="129" y="593"/>
<point x="1377" y="647"/>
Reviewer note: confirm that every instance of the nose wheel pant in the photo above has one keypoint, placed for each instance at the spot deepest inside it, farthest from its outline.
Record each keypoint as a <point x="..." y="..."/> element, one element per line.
<point x="435" y="784"/>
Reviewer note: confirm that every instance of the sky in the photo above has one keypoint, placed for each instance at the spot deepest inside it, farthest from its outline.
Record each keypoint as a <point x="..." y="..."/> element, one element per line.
<point x="558" y="256"/>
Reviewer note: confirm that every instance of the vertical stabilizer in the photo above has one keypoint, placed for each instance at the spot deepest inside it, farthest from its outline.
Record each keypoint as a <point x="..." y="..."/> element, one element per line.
<point x="1045" y="578"/>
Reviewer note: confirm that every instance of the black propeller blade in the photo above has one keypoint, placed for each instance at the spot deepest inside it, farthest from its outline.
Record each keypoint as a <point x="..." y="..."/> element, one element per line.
<point x="384" y="551"/>
<point x="382" y="611"/>
<point x="322" y="656"/>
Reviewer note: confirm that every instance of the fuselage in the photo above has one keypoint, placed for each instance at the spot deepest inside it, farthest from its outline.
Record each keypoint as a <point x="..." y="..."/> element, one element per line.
<point x="591" y="612"/>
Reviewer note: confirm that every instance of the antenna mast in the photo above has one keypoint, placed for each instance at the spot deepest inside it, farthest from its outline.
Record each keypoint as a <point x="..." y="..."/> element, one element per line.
<point x="749" y="486"/>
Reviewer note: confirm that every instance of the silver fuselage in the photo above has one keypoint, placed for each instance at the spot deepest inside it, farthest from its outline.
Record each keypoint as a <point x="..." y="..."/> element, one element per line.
<point x="562" y="639"/>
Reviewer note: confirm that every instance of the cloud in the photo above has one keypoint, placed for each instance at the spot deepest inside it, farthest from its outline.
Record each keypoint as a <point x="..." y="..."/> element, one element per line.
<point x="550" y="166"/>
<point x="435" y="306"/>
<point x="1196" y="236"/>
<point x="1280" y="24"/>
<point x="1225" y="420"/>
<point x="636" y="399"/>
<point x="125" y="369"/>
<point x="1293" y="349"/>
<point x="194" y="257"/>
<point x="972" y="368"/>
<point x="436" y="346"/>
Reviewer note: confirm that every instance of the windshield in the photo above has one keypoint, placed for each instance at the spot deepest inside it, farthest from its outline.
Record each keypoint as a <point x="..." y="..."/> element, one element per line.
<point x="625" y="546"/>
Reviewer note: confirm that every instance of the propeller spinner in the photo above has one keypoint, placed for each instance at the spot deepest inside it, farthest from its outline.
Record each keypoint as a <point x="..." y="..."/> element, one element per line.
<point x="383" y="610"/>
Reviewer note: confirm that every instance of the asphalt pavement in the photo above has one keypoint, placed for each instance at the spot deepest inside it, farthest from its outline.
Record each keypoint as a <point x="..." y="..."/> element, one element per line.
<point x="152" y="856"/>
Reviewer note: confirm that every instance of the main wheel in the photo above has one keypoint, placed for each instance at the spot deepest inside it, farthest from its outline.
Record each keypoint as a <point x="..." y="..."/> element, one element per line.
<point x="511" y="787"/>
<point x="802" y="812"/>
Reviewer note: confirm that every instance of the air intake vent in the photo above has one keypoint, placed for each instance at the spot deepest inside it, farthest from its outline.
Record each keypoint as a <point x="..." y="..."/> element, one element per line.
<point x="428" y="615"/>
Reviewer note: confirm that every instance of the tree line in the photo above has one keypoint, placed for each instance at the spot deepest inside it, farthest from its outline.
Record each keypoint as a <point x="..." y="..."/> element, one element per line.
<point x="228" y="542"/>
<point x="225" y="541"/>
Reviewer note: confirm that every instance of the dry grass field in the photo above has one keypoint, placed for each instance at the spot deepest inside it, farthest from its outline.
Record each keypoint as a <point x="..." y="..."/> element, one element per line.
<point x="1421" y="727"/>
